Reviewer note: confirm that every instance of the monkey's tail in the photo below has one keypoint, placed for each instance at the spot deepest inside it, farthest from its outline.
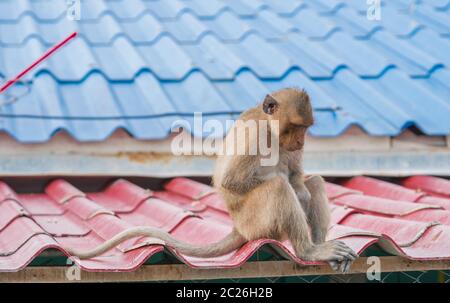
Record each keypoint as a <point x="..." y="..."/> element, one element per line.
<point x="232" y="241"/>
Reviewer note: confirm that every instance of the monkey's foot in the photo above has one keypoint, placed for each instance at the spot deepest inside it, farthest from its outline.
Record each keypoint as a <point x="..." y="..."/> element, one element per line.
<point x="342" y="267"/>
<point x="336" y="253"/>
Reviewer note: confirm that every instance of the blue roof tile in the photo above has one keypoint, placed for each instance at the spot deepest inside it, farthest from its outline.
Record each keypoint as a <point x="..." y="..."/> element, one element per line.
<point x="441" y="5"/>
<point x="140" y="65"/>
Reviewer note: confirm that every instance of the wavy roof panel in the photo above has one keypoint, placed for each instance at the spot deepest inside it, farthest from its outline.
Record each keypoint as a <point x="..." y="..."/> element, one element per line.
<point x="64" y="216"/>
<point x="162" y="60"/>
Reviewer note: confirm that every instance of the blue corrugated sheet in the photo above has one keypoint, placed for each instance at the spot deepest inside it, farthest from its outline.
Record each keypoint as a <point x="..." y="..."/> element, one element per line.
<point x="142" y="64"/>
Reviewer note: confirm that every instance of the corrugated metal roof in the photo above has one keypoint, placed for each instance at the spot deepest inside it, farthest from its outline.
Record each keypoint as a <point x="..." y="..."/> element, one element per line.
<point x="140" y="65"/>
<point x="403" y="221"/>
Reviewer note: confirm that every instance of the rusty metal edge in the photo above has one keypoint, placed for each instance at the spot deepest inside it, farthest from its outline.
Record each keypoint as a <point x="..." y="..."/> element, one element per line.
<point x="395" y="164"/>
<point x="180" y="272"/>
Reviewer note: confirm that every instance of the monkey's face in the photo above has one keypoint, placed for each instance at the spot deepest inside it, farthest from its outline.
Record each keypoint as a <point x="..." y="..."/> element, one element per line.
<point x="292" y="108"/>
<point x="293" y="137"/>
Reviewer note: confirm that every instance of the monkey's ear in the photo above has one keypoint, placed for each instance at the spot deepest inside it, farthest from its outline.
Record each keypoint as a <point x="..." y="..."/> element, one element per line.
<point x="270" y="105"/>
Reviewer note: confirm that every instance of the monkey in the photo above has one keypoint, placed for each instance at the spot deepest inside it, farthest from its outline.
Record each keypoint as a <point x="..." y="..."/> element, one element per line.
<point x="276" y="202"/>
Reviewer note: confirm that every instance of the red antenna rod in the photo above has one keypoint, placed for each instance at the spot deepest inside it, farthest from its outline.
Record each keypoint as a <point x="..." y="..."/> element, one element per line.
<point x="47" y="54"/>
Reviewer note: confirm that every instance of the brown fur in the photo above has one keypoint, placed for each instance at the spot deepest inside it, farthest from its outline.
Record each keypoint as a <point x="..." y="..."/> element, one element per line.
<point x="266" y="201"/>
<point x="276" y="202"/>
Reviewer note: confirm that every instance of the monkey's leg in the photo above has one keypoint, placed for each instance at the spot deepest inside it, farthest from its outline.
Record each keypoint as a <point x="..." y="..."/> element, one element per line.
<point x="317" y="208"/>
<point x="265" y="210"/>
<point x="318" y="212"/>
<point x="331" y="251"/>
<point x="319" y="216"/>
<point x="272" y="210"/>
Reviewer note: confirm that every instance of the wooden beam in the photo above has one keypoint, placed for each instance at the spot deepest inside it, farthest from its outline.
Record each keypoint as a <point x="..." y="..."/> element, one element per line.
<point x="408" y="141"/>
<point x="57" y="274"/>
<point x="332" y="164"/>
<point x="354" y="139"/>
<point x="350" y="154"/>
<point x="120" y="143"/>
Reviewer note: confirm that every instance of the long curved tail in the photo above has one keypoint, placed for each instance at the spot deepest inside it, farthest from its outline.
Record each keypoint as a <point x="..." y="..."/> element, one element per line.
<point x="232" y="241"/>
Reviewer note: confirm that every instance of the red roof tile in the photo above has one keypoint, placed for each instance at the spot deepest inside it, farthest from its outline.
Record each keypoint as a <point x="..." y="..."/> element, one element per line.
<point x="364" y="211"/>
<point x="431" y="185"/>
<point x="383" y="189"/>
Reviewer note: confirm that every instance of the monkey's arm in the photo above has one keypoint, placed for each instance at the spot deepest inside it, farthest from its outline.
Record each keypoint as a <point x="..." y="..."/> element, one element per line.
<point x="240" y="176"/>
<point x="297" y="177"/>
<point x="317" y="207"/>
<point x="297" y="181"/>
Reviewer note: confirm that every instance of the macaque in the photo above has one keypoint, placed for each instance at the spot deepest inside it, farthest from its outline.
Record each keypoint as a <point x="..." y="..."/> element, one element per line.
<point x="265" y="201"/>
